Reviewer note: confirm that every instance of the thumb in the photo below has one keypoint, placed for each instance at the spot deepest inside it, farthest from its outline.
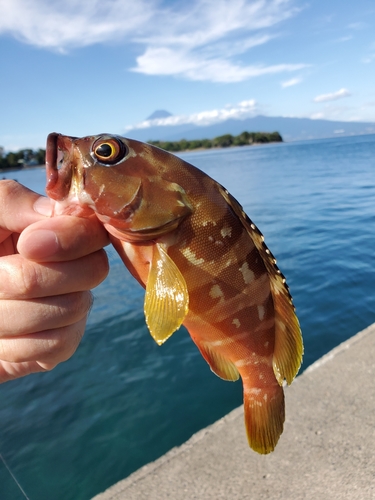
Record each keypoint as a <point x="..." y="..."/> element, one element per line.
<point x="20" y="207"/>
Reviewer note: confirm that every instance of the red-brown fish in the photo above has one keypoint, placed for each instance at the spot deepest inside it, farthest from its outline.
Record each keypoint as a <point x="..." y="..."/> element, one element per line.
<point x="202" y="262"/>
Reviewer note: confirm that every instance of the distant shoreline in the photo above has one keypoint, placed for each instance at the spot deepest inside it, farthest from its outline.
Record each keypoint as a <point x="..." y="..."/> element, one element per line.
<point x="222" y="141"/>
<point x="19" y="169"/>
<point x="219" y="148"/>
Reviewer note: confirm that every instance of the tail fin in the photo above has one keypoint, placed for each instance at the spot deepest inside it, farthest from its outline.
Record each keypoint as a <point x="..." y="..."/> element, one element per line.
<point x="264" y="417"/>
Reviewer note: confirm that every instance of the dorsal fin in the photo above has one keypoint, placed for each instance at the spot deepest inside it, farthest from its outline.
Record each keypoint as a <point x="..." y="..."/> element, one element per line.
<point x="288" y="351"/>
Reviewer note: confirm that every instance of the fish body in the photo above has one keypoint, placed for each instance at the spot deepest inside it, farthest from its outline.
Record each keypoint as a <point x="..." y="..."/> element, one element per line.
<point x="202" y="262"/>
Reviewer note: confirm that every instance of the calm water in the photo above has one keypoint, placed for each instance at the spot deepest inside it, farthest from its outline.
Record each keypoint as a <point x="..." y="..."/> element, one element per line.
<point x="122" y="401"/>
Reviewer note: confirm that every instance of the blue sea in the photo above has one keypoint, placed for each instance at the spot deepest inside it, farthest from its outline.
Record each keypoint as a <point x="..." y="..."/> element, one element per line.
<point x="122" y="401"/>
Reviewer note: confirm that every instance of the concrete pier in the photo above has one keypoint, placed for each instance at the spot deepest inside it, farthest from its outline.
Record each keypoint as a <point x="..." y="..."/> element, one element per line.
<point x="327" y="450"/>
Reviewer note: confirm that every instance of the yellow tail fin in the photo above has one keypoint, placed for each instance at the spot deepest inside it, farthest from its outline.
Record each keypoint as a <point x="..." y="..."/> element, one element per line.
<point x="264" y="417"/>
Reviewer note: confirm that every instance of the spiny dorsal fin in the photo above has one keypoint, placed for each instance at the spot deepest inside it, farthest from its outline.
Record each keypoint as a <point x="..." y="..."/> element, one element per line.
<point x="288" y="351"/>
<point x="166" y="298"/>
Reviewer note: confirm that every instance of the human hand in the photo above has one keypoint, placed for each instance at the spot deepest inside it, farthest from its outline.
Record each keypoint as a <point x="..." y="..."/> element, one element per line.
<point x="48" y="265"/>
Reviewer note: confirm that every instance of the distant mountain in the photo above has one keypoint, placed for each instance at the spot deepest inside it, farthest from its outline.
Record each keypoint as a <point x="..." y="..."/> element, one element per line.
<point x="159" y="113"/>
<point x="291" y="129"/>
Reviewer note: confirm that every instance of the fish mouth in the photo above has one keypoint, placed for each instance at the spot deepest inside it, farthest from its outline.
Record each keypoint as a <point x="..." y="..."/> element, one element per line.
<point x="51" y="160"/>
<point x="58" y="166"/>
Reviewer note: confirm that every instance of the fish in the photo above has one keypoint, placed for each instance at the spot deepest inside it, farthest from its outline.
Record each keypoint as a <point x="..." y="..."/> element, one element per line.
<point x="203" y="263"/>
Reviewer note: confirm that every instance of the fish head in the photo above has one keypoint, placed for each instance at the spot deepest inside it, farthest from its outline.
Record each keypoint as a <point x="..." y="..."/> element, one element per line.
<point x="124" y="182"/>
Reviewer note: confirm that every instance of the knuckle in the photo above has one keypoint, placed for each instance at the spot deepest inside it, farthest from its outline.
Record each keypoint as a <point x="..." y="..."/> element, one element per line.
<point x="63" y="343"/>
<point x="8" y="187"/>
<point x="98" y="268"/>
<point x="10" y="351"/>
<point x="9" y="190"/>
<point x="27" y="278"/>
<point x="79" y="305"/>
<point x="103" y="265"/>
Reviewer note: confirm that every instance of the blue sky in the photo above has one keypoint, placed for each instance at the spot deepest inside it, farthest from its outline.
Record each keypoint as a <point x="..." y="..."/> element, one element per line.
<point x="85" y="67"/>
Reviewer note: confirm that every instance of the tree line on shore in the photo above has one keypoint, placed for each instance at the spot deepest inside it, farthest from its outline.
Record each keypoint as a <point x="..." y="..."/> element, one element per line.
<point x="30" y="157"/>
<point x="222" y="141"/>
<point x="21" y="158"/>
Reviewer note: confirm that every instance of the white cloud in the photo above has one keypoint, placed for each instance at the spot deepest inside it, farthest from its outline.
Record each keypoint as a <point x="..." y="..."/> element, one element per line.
<point x="357" y="26"/>
<point x="332" y="96"/>
<point x="337" y="112"/>
<point x="344" y="39"/>
<point x="318" y="116"/>
<point x="72" y="23"/>
<point x="198" y="40"/>
<point x="170" y="61"/>
<point x="291" y="82"/>
<point x="242" y="110"/>
<point x="203" y="43"/>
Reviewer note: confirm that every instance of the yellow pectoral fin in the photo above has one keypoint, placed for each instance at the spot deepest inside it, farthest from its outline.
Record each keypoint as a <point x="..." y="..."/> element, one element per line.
<point x="167" y="297"/>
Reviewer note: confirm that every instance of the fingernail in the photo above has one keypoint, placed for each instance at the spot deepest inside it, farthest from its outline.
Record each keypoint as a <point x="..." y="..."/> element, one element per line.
<point x="40" y="244"/>
<point x="43" y="206"/>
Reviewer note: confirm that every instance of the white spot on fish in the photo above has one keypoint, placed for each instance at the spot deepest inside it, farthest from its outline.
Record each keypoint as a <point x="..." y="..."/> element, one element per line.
<point x="216" y="343"/>
<point x="217" y="293"/>
<point x="265" y="397"/>
<point x="266" y="344"/>
<point x="236" y="322"/>
<point x="226" y="231"/>
<point x="247" y="274"/>
<point x="254" y="390"/>
<point x="191" y="257"/>
<point x="261" y="312"/>
<point x="241" y="362"/>
<point x="255" y="402"/>
<point x="207" y="222"/>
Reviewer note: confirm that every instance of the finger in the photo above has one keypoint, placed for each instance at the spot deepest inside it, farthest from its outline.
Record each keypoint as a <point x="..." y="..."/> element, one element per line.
<point x="19" y="207"/>
<point x="47" y="348"/>
<point x="24" y="279"/>
<point x="11" y="371"/>
<point x="62" y="238"/>
<point x="22" y="317"/>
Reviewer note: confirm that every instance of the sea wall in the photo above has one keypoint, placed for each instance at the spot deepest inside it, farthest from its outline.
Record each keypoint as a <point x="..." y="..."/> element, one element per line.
<point x="326" y="450"/>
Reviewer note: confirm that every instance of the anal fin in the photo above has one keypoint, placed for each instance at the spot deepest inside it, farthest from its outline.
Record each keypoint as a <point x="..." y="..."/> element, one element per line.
<point x="220" y="365"/>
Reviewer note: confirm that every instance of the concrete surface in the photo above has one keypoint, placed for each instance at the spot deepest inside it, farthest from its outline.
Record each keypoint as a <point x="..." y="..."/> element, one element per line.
<point x="327" y="450"/>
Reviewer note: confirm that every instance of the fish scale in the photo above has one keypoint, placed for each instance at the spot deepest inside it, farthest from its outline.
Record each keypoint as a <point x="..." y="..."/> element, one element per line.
<point x="202" y="262"/>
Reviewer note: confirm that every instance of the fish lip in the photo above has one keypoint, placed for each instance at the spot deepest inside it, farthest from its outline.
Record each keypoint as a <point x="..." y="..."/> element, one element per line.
<point x="59" y="168"/>
<point x="51" y="161"/>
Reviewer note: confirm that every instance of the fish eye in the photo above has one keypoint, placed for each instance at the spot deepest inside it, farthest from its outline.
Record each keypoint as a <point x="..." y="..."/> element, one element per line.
<point x="108" y="151"/>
